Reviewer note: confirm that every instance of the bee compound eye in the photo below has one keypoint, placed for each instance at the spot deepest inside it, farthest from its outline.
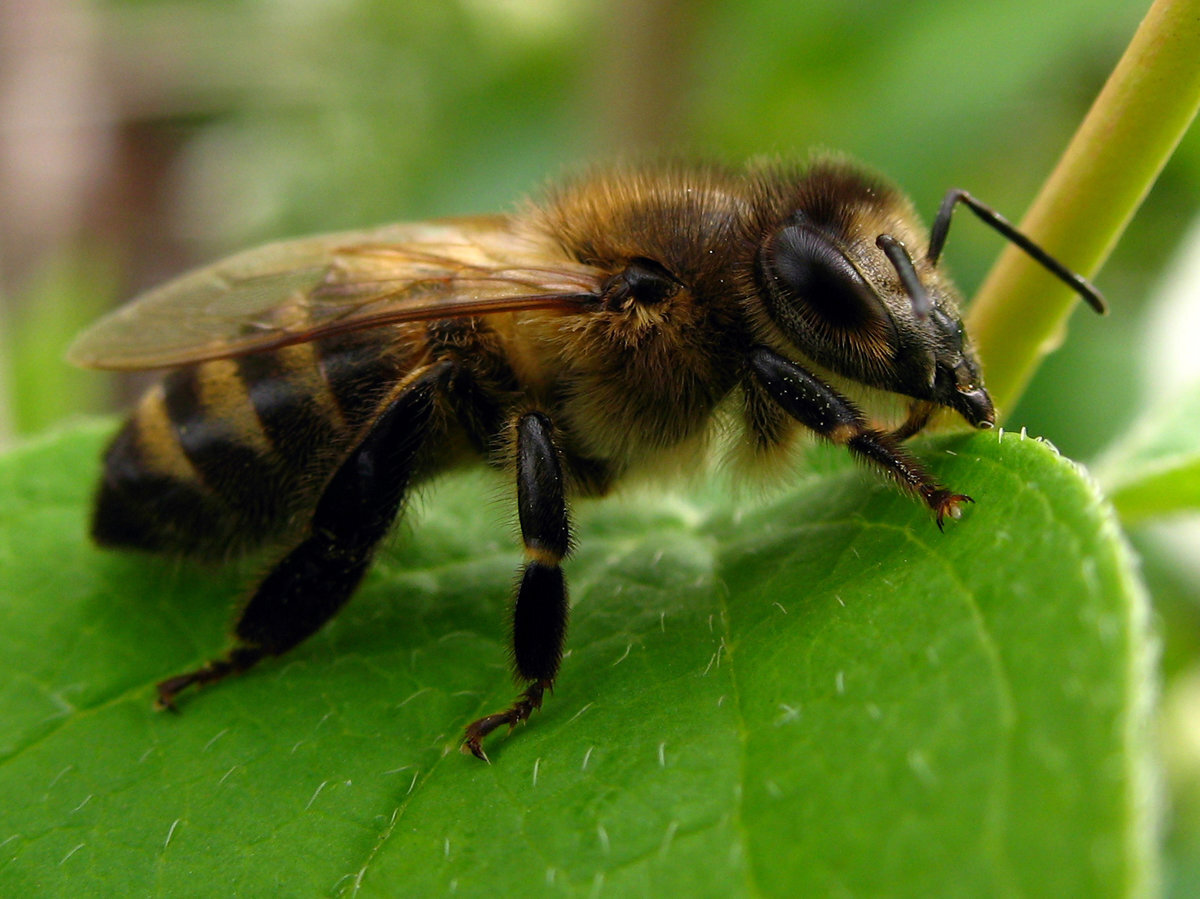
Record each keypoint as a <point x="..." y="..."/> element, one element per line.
<point x="818" y="279"/>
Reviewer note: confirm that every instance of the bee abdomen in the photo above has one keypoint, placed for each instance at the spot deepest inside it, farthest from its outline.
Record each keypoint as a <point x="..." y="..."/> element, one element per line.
<point x="297" y="414"/>
<point x="217" y="428"/>
<point x="150" y="497"/>
<point x="217" y="459"/>
<point x="230" y="454"/>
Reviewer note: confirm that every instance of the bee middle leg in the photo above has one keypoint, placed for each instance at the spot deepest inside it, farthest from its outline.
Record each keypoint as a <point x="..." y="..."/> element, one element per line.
<point x="313" y="581"/>
<point x="819" y="407"/>
<point x="540" y="615"/>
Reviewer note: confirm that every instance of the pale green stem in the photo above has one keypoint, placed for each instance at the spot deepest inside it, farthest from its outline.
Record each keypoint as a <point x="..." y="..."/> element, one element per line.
<point x="1020" y="312"/>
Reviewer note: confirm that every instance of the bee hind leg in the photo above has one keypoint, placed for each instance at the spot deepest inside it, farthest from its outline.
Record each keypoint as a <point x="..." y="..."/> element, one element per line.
<point x="819" y="407"/>
<point x="540" y="614"/>
<point x="312" y="582"/>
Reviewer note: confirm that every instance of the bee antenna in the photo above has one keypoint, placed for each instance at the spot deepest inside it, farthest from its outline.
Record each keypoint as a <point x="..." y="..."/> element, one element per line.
<point x="898" y="256"/>
<point x="941" y="227"/>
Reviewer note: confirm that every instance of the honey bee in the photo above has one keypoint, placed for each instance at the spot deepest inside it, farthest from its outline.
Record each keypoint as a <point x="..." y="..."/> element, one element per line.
<point x="314" y="382"/>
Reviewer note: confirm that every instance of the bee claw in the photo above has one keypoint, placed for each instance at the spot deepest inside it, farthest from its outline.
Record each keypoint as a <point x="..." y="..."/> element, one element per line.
<point x="517" y="713"/>
<point x="169" y="689"/>
<point x="946" y="503"/>
<point x="237" y="660"/>
<point x="473" y="745"/>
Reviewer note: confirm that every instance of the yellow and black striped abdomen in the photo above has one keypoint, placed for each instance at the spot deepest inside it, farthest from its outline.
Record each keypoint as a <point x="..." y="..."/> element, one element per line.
<point x="223" y="456"/>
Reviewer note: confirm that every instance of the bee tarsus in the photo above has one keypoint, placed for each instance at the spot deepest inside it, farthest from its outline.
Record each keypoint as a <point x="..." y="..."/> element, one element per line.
<point x="519" y="711"/>
<point x="235" y="661"/>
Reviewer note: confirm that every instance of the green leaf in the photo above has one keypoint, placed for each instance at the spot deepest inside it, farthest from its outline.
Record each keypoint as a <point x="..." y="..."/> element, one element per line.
<point x="1155" y="471"/>
<point x="817" y="695"/>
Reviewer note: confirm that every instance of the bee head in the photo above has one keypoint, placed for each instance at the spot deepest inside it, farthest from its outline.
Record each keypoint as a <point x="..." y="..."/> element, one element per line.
<point x="835" y="276"/>
<point x="868" y="313"/>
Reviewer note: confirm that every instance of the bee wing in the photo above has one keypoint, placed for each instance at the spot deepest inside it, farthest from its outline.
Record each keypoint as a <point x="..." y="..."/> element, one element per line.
<point x="298" y="290"/>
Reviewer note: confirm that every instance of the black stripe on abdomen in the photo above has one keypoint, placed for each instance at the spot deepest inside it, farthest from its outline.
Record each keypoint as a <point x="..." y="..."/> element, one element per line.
<point x="141" y="503"/>
<point x="360" y="369"/>
<point x="295" y="409"/>
<point x="219" y="433"/>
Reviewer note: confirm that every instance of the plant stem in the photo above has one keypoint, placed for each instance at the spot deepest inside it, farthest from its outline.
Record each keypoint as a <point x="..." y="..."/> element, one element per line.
<point x="1020" y="312"/>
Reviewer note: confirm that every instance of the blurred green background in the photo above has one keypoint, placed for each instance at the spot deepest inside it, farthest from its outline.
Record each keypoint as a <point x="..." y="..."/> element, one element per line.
<point x="139" y="138"/>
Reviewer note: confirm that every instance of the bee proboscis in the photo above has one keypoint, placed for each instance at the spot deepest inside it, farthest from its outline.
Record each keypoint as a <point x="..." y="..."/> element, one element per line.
<point x="313" y="382"/>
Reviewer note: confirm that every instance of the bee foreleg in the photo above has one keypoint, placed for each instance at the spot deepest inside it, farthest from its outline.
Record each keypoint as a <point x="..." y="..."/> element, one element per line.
<point x="540" y="613"/>
<point x="819" y="407"/>
<point x="313" y="581"/>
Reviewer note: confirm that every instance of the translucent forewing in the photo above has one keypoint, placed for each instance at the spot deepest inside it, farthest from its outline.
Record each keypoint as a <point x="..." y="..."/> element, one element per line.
<point x="295" y="291"/>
